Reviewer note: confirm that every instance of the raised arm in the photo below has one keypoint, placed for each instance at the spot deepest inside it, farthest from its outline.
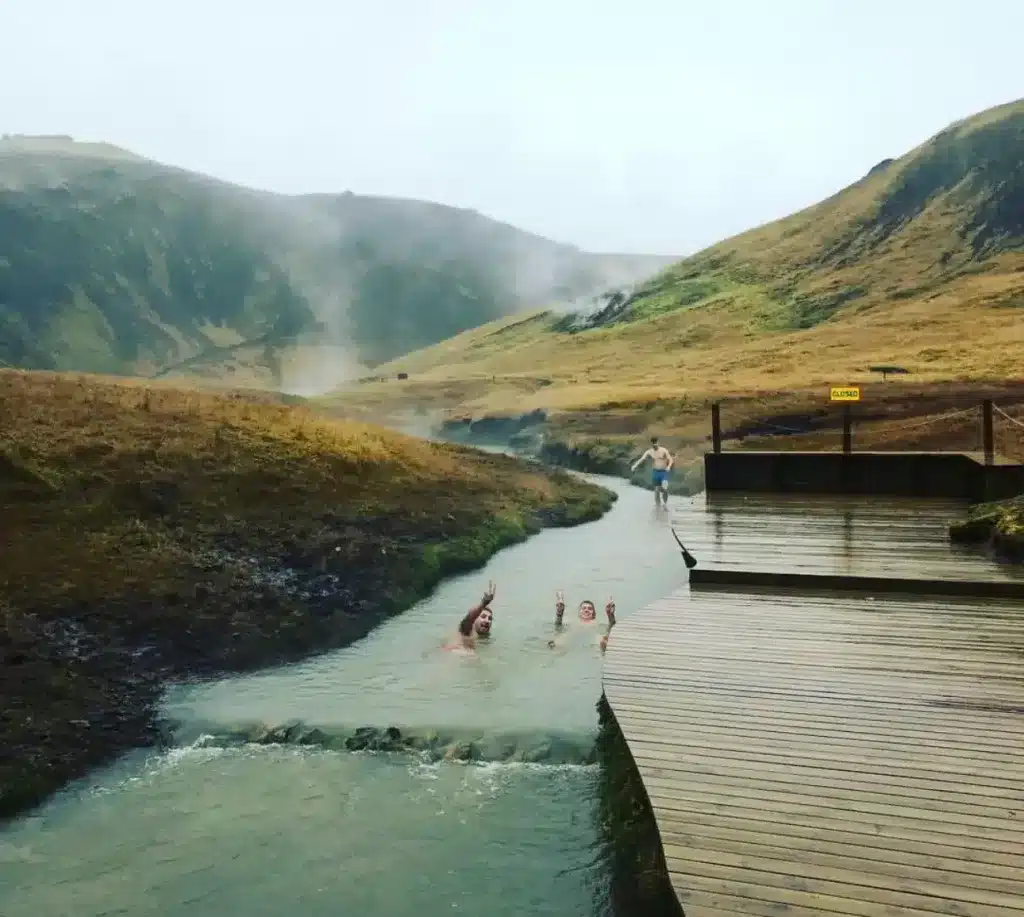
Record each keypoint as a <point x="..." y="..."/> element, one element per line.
<point x="559" y="612"/>
<point x="609" y="611"/>
<point x="641" y="460"/>
<point x="466" y="624"/>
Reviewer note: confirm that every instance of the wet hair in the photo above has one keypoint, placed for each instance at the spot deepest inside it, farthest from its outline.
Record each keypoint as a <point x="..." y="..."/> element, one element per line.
<point x="466" y="624"/>
<point x="588" y="602"/>
<point x="654" y="440"/>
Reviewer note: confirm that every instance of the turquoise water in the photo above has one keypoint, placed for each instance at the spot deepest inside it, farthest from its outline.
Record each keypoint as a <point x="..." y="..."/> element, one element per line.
<point x="219" y="825"/>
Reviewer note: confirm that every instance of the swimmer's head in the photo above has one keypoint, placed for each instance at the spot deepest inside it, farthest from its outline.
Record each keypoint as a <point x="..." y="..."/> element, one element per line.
<point x="482" y="624"/>
<point x="588" y="611"/>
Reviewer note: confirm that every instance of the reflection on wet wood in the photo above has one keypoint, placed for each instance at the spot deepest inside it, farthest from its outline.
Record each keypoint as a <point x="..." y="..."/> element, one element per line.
<point x="844" y="536"/>
<point x="815" y="753"/>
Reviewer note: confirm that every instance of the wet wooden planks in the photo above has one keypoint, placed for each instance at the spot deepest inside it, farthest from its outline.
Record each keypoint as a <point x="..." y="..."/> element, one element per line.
<point x="833" y="536"/>
<point x="829" y="754"/>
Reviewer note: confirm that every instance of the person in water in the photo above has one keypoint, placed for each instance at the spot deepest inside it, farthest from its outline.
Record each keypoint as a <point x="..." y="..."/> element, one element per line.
<point x="587" y="614"/>
<point x="662" y="461"/>
<point x="476" y="623"/>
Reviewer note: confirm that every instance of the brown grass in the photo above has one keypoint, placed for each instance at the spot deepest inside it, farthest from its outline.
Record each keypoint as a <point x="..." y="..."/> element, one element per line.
<point x="723" y="324"/>
<point x="88" y="449"/>
<point x="702" y="354"/>
<point x="147" y="516"/>
<point x="893" y="417"/>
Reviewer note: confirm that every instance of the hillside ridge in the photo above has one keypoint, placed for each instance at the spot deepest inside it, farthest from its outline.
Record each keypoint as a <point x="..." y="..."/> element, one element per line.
<point x="116" y="263"/>
<point x="919" y="263"/>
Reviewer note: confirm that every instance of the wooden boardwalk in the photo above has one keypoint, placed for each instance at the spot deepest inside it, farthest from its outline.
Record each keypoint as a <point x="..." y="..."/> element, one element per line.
<point x="852" y="536"/>
<point x="814" y="753"/>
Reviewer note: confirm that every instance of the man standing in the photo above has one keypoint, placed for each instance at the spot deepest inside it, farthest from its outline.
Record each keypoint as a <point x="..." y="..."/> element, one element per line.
<point x="662" y="461"/>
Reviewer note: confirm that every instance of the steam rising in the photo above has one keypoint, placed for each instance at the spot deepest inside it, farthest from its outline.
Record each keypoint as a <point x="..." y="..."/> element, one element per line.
<point x="315" y="369"/>
<point x="325" y="243"/>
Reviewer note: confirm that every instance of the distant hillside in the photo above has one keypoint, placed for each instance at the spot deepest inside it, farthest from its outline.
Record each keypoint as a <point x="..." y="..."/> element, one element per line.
<point x="110" y="262"/>
<point x="951" y="209"/>
<point x="919" y="264"/>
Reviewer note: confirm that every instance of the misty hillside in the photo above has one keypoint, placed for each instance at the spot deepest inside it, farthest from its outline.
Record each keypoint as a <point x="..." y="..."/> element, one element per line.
<point x="110" y="262"/>
<point x="919" y="264"/>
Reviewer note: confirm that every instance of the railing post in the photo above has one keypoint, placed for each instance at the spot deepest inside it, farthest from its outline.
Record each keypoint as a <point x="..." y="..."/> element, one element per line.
<point x="716" y="428"/>
<point x="847" y="429"/>
<point x="987" y="436"/>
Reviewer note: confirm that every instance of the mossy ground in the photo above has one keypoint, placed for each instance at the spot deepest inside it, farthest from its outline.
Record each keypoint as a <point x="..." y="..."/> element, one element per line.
<point x="631" y="847"/>
<point x="1000" y="524"/>
<point x="149" y="531"/>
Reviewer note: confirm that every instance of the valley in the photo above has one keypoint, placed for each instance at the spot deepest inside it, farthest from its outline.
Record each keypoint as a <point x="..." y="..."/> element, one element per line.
<point x="918" y="266"/>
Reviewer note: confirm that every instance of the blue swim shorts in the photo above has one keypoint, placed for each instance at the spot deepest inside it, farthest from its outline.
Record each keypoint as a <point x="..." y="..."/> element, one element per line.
<point x="659" y="476"/>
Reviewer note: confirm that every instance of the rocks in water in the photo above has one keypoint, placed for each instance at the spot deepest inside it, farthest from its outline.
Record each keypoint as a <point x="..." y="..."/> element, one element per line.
<point x="428" y="745"/>
<point x="277" y="735"/>
<point x="536" y="754"/>
<point x="424" y="741"/>
<point x="295" y="732"/>
<point x="312" y="736"/>
<point x="461" y="751"/>
<point x="361" y="741"/>
<point x="368" y="738"/>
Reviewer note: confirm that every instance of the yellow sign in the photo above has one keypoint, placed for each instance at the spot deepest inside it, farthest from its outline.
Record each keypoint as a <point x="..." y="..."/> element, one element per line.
<point x="844" y="394"/>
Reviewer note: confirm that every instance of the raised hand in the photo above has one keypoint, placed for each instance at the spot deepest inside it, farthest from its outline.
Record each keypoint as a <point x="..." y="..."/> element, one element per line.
<point x="489" y="594"/>
<point x="559" y="601"/>
<point x="609" y="609"/>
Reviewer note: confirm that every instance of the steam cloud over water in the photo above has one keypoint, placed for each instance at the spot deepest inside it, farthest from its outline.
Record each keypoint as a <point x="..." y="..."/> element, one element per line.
<point x="364" y="279"/>
<point x="315" y="369"/>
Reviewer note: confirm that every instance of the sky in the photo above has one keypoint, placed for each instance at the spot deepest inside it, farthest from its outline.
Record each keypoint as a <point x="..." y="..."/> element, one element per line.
<point x="657" y="126"/>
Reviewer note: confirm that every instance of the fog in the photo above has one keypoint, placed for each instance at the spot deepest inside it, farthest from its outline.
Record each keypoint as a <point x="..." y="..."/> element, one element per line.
<point x="655" y="126"/>
<point x="314" y="369"/>
<point x="324" y="244"/>
<point x="311" y="238"/>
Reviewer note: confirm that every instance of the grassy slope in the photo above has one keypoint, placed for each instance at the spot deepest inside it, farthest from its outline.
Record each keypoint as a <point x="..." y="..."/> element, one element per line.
<point x="132" y="517"/>
<point x="920" y="264"/>
<point x="115" y="263"/>
<point x="1000" y="524"/>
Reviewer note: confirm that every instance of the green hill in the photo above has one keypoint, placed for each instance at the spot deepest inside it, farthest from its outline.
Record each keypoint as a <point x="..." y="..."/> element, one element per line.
<point x="110" y="262"/>
<point x="950" y="209"/>
<point x="918" y="264"/>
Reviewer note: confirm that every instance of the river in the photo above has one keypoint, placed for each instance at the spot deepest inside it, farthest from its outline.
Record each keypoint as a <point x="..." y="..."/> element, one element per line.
<point x="219" y="825"/>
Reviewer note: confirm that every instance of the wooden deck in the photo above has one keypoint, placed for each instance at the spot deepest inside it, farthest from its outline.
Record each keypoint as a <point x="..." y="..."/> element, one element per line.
<point x="978" y="456"/>
<point x="814" y="753"/>
<point x="846" y="536"/>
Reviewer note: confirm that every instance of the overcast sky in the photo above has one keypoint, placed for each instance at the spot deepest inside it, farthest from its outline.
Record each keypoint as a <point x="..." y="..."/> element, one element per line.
<point x="636" y="125"/>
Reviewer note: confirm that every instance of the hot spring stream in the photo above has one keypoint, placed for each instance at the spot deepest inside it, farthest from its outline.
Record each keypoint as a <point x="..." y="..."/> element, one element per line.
<point x="221" y="825"/>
